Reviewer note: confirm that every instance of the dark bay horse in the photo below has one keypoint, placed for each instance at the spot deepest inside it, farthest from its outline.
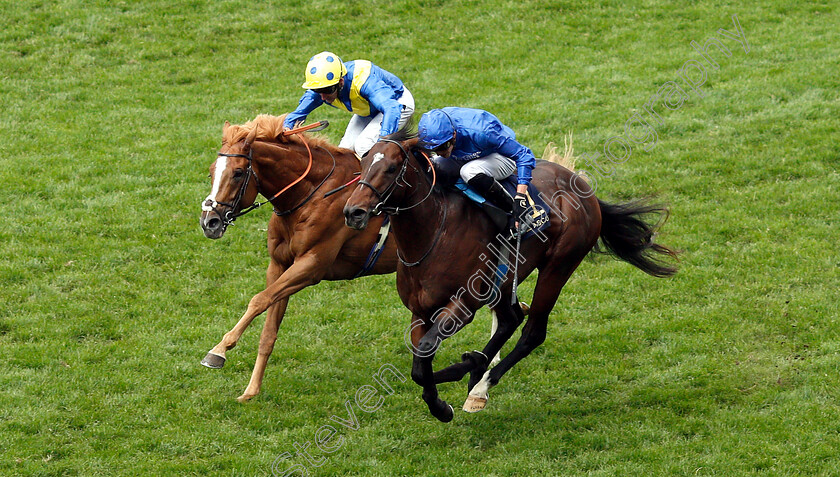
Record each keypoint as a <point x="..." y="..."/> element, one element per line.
<point x="445" y="248"/>
<point x="307" y="239"/>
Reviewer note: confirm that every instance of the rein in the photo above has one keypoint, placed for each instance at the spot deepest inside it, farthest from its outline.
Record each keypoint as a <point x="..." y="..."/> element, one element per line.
<point x="380" y="207"/>
<point x="386" y="194"/>
<point x="309" y="197"/>
<point x="431" y="247"/>
<point x="230" y="216"/>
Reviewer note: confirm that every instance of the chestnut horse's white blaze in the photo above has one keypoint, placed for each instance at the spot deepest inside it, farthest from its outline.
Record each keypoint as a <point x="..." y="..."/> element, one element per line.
<point x="210" y="201"/>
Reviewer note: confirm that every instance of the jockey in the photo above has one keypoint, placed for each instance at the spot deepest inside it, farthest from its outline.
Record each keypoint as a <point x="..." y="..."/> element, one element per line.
<point x="485" y="148"/>
<point x="379" y="101"/>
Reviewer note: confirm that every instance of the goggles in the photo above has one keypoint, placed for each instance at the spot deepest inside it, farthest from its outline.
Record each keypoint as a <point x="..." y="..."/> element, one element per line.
<point x="328" y="90"/>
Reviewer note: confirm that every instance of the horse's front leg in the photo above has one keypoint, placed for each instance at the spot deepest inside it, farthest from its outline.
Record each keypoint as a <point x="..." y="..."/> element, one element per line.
<point x="273" y="318"/>
<point x="477" y="362"/>
<point x="305" y="271"/>
<point x="215" y="358"/>
<point x="421" y="370"/>
<point x="425" y="344"/>
<point x="267" y="339"/>
<point x="455" y="372"/>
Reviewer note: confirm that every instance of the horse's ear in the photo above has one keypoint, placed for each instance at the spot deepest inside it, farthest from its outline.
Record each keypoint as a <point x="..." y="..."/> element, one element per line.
<point x="227" y="125"/>
<point x="412" y="143"/>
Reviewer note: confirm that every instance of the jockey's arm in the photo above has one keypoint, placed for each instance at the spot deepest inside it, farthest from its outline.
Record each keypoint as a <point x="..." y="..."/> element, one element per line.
<point x="525" y="160"/>
<point x="308" y="102"/>
<point x="381" y="98"/>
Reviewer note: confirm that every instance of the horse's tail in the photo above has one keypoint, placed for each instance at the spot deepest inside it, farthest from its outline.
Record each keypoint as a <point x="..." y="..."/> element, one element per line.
<point x="625" y="234"/>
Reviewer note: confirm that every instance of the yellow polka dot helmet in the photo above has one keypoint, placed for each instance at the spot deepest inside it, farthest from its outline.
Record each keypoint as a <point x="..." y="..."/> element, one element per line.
<point x="323" y="69"/>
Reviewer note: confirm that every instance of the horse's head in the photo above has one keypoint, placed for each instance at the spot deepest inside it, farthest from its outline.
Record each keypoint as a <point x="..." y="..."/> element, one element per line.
<point x="383" y="184"/>
<point x="233" y="186"/>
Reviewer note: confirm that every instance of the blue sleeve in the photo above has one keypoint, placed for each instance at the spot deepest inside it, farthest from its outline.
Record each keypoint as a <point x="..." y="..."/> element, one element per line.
<point x="503" y="142"/>
<point x="381" y="98"/>
<point x="308" y="102"/>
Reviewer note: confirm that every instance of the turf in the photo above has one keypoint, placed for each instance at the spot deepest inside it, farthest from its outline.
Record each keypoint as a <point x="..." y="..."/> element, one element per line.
<point x="110" y="296"/>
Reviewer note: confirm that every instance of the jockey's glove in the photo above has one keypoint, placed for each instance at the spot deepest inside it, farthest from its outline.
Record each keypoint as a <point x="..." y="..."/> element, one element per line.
<point x="520" y="205"/>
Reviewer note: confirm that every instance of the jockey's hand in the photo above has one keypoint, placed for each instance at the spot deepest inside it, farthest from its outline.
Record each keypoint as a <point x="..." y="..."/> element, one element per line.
<point x="296" y="125"/>
<point x="520" y="205"/>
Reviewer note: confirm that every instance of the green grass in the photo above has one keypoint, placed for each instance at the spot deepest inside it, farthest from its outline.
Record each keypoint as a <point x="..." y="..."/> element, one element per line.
<point x="110" y="296"/>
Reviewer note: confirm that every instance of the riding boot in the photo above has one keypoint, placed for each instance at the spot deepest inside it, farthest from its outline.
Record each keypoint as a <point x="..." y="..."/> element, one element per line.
<point x="493" y="191"/>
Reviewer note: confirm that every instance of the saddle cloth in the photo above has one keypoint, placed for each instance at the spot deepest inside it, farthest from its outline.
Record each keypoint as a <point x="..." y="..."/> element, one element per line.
<point x="534" y="220"/>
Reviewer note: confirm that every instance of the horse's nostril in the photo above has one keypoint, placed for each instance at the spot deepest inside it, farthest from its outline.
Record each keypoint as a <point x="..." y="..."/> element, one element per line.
<point x="214" y="223"/>
<point x="357" y="213"/>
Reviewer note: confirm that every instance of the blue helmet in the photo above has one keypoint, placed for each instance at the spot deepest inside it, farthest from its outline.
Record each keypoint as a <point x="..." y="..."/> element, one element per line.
<point x="435" y="128"/>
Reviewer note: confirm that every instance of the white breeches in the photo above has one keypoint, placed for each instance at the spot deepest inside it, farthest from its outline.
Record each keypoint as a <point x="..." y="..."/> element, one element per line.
<point x="494" y="165"/>
<point x="362" y="133"/>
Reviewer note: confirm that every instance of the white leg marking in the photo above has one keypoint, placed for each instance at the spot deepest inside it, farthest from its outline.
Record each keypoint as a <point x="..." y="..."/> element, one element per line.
<point x="480" y="389"/>
<point x="493" y="327"/>
<point x="477" y="399"/>
<point x="221" y="165"/>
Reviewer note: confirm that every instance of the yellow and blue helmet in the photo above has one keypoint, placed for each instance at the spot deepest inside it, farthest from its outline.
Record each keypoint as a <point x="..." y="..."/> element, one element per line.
<point x="323" y="69"/>
<point x="434" y="129"/>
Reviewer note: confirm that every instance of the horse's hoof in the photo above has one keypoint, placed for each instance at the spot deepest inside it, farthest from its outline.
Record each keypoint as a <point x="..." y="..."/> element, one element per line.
<point x="525" y="308"/>
<point x="447" y="414"/>
<point x="474" y="404"/>
<point x="244" y="398"/>
<point x="213" y="361"/>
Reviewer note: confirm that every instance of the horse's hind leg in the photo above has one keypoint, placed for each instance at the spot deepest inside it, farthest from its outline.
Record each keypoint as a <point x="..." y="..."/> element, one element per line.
<point x="550" y="282"/>
<point x="506" y="320"/>
<point x="493" y="327"/>
<point x="525" y="309"/>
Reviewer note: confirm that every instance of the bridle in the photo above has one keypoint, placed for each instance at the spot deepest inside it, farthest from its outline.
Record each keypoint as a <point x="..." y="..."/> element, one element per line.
<point x="230" y="216"/>
<point x="399" y="181"/>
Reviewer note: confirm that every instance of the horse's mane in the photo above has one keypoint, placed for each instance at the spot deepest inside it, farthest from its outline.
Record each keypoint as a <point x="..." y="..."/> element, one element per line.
<point x="269" y="128"/>
<point x="567" y="159"/>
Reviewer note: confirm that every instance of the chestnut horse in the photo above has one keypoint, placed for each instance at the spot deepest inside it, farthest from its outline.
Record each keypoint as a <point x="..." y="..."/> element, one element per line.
<point x="444" y="243"/>
<point x="307" y="239"/>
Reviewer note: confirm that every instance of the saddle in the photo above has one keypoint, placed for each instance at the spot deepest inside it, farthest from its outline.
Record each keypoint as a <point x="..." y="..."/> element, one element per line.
<point x="535" y="221"/>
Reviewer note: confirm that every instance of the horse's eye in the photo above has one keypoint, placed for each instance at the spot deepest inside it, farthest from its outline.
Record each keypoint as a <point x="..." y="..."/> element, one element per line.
<point x="237" y="174"/>
<point x="392" y="168"/>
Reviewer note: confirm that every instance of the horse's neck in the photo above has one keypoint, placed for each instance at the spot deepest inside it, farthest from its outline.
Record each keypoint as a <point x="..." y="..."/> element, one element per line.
<point x="279" y="166"/>
<point x="417" y="229"/>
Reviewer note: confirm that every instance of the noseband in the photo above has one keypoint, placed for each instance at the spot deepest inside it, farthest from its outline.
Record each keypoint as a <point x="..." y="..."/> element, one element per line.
<point x="399" y="180"/>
